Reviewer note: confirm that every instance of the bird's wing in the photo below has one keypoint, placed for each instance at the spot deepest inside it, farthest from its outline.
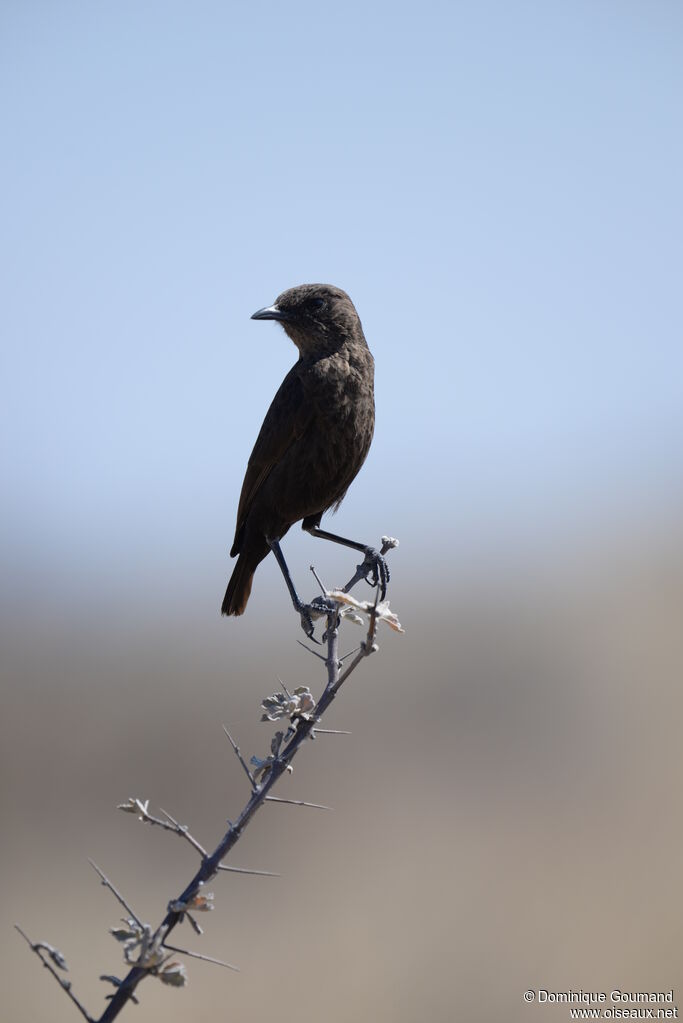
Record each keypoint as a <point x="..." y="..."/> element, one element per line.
<point x="286" y="421"/>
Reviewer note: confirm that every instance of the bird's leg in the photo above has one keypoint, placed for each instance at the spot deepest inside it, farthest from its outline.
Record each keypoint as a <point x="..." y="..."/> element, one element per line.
<point x="373" y="569"/>
<point x="305" y="611"/>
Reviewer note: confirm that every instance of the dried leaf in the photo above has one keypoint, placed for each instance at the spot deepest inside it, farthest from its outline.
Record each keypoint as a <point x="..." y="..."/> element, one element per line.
<point x="126" y="933"/>
<point x="174" y="974"/>
<point x="54" y="954"/>
<point x="200" y="903"/>
<point x="135" y="805"/>
<point x="298" y="704"/>
<point x="382" y="612"/>
<point x="349" y="615"/>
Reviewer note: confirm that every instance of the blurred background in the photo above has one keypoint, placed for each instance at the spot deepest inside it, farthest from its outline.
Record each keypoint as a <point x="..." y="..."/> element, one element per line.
<point x="498" y="187"/>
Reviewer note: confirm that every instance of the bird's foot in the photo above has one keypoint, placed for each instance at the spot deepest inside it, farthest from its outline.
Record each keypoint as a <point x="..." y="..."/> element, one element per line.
<point x="318" y="608"/>
<point x="375" y="570"/>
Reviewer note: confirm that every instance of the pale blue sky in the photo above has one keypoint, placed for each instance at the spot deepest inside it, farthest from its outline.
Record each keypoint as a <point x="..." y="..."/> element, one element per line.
<point x="497" y="185"/>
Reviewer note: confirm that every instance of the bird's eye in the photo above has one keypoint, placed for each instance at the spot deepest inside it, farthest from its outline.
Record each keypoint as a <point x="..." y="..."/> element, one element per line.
<point x="317" y="303"/>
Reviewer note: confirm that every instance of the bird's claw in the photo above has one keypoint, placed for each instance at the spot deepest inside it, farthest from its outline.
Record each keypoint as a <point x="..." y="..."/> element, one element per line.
<point x="375" y="570"/>
<point x="307" y="622"/>
<point x="318" y="608"/>
<point x="322" y="606"/>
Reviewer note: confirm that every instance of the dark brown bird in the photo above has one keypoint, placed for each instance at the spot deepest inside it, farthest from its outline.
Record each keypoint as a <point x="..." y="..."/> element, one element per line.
<point x="313" y="441"/>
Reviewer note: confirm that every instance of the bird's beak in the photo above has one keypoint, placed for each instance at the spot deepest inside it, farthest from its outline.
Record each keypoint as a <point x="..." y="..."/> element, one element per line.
<point x="269" y="312"/>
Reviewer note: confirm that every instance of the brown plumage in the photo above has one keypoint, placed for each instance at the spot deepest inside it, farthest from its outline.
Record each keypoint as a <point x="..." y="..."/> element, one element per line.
<point x="315" y="436"/>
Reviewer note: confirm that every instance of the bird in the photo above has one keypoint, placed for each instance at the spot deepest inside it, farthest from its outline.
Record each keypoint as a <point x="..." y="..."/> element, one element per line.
<point x="313" y="441"/>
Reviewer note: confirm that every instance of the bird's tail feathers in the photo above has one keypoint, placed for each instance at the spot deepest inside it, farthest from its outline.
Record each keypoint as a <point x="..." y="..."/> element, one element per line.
<point x="239" y="587"/>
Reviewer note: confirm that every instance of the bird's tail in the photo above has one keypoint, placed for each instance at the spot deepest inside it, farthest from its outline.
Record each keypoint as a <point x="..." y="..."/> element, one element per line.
<point x="239" y="587"/>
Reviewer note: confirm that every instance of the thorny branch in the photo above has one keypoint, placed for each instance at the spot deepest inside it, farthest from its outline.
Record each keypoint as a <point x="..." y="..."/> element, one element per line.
<point x="41" y="948"/>
<point x="147" y="951"/>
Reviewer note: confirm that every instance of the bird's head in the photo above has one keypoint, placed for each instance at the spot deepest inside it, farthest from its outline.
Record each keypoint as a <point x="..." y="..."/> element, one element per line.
<point x="317" y="317"/>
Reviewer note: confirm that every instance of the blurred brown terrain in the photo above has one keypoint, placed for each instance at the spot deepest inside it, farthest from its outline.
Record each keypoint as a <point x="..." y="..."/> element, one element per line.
<point x="508" y="811"/>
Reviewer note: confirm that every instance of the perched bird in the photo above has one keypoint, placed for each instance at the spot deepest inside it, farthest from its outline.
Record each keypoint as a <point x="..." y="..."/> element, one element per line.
<point x="314" y="439"/>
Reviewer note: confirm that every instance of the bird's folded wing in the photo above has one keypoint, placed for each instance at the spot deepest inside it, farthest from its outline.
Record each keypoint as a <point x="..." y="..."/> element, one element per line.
<point x="286" y="421"/>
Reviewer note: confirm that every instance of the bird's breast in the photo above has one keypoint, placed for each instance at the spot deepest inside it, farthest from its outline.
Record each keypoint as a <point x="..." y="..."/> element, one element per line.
<point x="341" y="386"/>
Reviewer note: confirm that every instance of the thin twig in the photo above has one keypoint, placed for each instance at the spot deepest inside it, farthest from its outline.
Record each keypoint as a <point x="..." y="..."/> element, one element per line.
<point x="244" y="870"/>
<point x="311" y="651"/>
<point x="332" y="661"/>
<point x="318" y="580"/>
<point x="63" y="983"/>
<point x="350" y="654"/>
<point x="177" y="829"/>
<point x="241" y="759"/>
<point x="181" y="829"/>
<point x="196" y="927"/>
<point x="296" y="802"/>
<point x="198" y="955"/>
<point x="116" y="893"/>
